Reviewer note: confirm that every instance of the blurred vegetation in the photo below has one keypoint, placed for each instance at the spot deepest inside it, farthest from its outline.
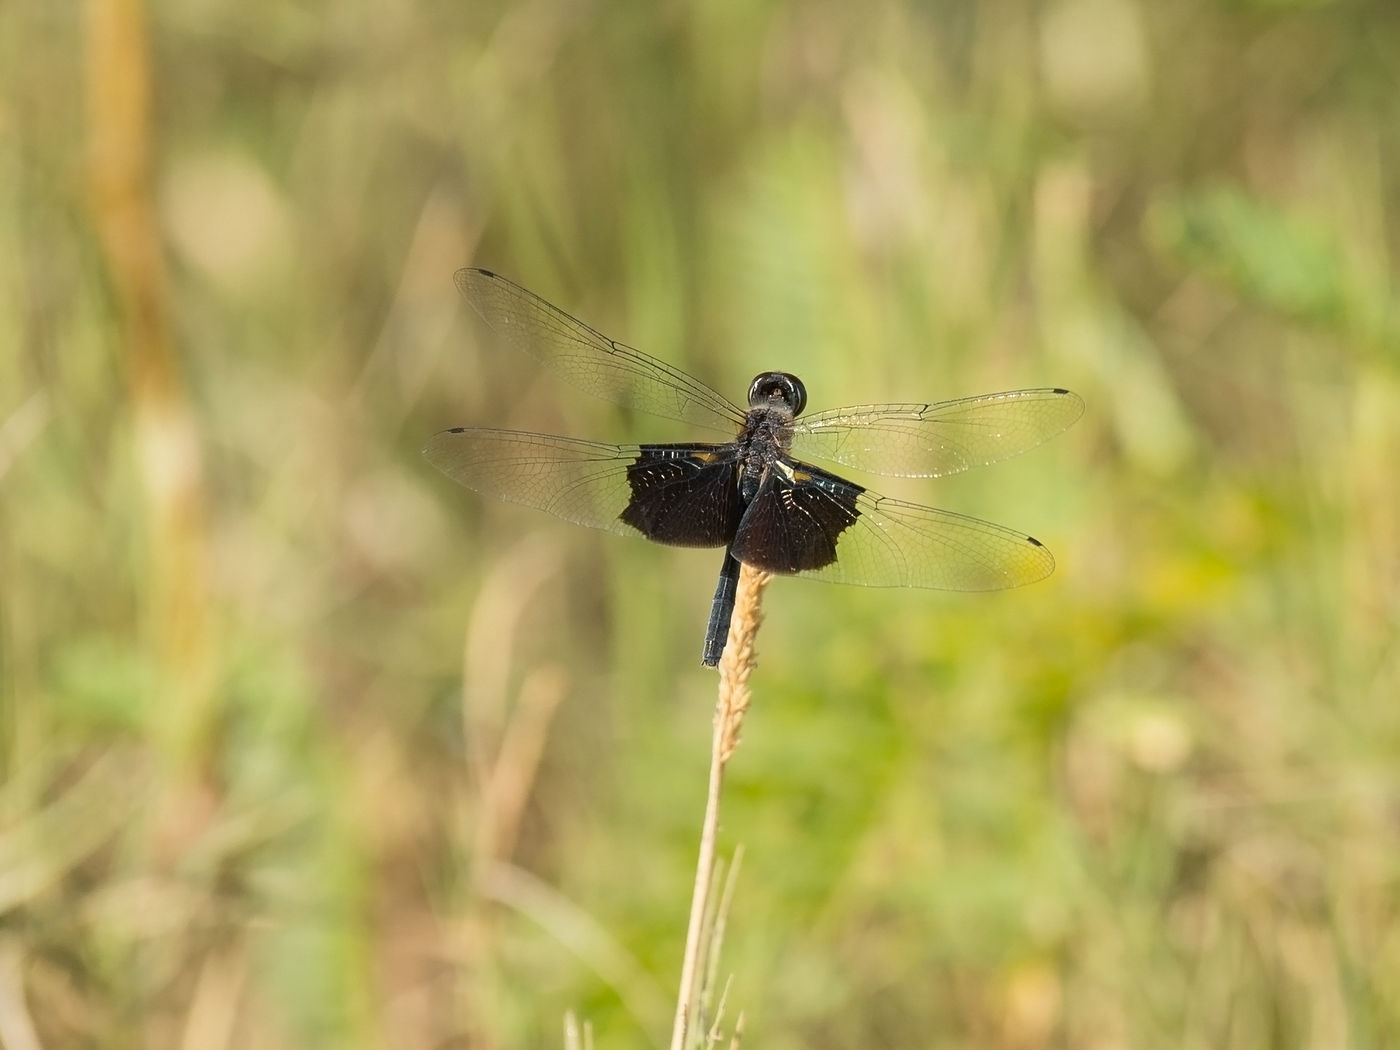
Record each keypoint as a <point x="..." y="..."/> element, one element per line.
<point x="304" y="746"/>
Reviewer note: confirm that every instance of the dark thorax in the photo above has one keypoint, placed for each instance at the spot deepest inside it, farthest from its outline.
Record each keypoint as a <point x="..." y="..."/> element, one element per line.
<point x="775" y="400"/>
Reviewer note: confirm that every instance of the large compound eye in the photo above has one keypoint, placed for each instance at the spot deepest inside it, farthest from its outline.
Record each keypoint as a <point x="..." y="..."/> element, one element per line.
<point x="781" y="385"/>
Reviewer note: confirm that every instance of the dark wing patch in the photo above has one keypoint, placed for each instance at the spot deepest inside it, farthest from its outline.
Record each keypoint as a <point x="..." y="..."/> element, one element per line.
<point x="684" y="495"/>
<point x="794" y="524"/>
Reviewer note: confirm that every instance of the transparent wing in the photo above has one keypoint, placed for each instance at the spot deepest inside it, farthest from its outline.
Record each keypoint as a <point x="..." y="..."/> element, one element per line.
<point x="580" y="481"/>
<point x="897" y="544"/>
<point x="590" y="360"/>
<point x="929" y="441"/>
<point x="684" y="495"/>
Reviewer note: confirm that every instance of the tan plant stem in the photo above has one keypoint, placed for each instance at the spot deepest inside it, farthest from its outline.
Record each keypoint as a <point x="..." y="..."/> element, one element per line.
<point x="734" y="669"/>
<point x="165" y="434"/>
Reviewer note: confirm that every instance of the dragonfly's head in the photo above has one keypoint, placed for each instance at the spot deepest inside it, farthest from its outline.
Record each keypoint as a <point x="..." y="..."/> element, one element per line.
<point x="772" y="389"/>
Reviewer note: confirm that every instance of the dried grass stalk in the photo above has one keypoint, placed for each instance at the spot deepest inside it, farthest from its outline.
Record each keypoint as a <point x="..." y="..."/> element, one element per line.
<point x="734" y="670"/>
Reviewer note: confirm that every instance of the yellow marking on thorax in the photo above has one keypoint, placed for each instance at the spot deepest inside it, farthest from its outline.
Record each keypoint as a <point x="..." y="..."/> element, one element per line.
<point x="790" y="472"/>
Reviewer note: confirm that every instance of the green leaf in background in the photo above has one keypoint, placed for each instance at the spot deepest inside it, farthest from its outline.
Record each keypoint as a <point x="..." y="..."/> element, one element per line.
<point x="1255" y="249"/>
<point x="103" y="684"/>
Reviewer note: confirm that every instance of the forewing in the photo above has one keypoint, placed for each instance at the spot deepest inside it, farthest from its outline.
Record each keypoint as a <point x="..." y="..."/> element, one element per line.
<point x="821" y="525"/>
<point x="673" y="494"/>
<point x="591" y="361"/>
<point x="928" y="441"/>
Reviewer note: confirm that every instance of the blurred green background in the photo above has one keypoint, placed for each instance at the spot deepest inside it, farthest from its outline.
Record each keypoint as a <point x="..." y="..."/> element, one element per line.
<point x="302" y="745"/>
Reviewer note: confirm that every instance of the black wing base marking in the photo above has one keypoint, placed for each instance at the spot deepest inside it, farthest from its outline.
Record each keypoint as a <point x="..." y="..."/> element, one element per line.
<point x="684" y="495"/>
<point x="794" y="523"/>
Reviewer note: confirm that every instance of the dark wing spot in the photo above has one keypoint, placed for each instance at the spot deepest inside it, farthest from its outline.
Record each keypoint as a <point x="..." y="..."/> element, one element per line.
<point x="794" y="527"/>
<point x="683" y="495"/>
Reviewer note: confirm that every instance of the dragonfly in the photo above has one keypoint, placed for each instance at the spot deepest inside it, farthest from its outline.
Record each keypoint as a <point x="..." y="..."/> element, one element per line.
<point x="750" y="489"/>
